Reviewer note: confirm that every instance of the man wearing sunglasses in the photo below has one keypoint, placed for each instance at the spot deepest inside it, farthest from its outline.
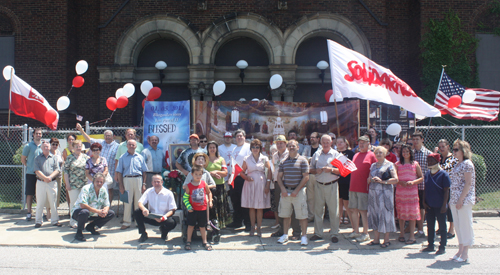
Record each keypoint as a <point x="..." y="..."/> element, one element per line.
<point x="203" y="142"/>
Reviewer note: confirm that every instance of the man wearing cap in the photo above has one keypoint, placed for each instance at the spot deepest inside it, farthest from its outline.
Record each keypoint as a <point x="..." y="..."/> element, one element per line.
<point x="326" y="190"/>
<point x="309" y="151"/>
<point x="240" y="214"/>
<point x="277" y="159"/>
<point x="131" y="174"/>
<point x="358" y="189"/>
<point x="155" y="159"/>
<point x="437" y="185"/>
<point x="185" y="159"/>
<point x="225" y="151"/>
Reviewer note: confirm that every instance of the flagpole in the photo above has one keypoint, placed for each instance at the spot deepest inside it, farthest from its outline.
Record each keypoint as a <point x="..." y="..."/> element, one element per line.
<point x="10" y="99"/>
<point x="439" y="85"/>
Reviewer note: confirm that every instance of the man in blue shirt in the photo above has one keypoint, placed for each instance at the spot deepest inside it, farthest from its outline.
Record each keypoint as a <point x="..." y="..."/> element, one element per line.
<point x="155" y="159"/>
<point x="131" y="174"/>
<point x="437" y="184"/>
<point x="30" y="151"/>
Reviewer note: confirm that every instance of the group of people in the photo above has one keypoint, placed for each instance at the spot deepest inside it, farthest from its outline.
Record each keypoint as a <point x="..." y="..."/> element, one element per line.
<point x="404" y="182"/>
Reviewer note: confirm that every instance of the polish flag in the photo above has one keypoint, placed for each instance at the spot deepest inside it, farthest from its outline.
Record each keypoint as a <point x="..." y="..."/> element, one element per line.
<point x="235" y="171"/>
<point x="28" y="102"/>
<point x="345" y="165"/>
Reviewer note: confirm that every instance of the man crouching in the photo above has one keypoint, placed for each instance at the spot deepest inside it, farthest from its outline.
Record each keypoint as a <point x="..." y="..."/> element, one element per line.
<point x="92" y="204"/>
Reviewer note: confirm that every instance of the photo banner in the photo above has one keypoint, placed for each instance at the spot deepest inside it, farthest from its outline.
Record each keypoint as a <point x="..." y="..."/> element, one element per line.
<point x="168" y="120"/>
<point x="264" y="119"/>
<point x="382" y="115"/>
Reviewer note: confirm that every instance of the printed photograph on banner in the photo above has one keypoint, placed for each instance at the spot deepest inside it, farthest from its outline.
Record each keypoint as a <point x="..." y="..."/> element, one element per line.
<point x="389" y="114"/>
<point x="264" y="119"/>
<point x="168" y="120"/>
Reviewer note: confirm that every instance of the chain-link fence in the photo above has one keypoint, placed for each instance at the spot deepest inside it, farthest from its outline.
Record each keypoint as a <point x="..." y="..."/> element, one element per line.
<point x="12" y="171"/>
<point x="484" y="142"/>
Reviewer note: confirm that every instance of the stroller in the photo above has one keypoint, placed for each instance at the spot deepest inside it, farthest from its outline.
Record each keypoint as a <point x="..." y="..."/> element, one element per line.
<point x="213" y="233"/>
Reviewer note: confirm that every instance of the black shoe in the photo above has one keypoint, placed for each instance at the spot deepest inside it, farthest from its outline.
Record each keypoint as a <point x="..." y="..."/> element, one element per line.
<point x="38" y="225"/>
<point x="90" y="228"/>
<point x="440" y="251"/>
<point x="450" y="236"/>
<point x="143" y="238"/>
<point x="247" y="228"/>
<point x="234" y="225"/>
<point x="428" y="249"/>
<point x="79" y="237"/>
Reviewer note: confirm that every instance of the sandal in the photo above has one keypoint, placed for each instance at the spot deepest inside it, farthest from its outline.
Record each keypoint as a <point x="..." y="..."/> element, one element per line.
<point x="372" y="243"/>
<point x="385" y="244"/>
<point x="207" y="246"/>
<point x="187" y="246"/>
<point x="411" y="241"/>
<point x="402" y="239"/>
<point x="346" y="220"/>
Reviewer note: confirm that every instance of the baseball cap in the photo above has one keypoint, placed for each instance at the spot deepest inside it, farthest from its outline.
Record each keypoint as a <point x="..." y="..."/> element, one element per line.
<point x="228" y="134"/>
<point x="436" y="156"/>
<point x="280" y="138"/>
<point x="194" y="136"/>
<point x="364" y="138"/>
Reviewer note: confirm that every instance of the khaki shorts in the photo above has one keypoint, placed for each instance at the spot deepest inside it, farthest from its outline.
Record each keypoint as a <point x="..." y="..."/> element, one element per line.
<point x="358" y="200"/>
<point x="298" y="203"/>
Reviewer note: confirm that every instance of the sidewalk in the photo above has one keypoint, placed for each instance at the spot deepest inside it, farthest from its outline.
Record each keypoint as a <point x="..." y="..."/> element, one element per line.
<point x="16" y="231"/>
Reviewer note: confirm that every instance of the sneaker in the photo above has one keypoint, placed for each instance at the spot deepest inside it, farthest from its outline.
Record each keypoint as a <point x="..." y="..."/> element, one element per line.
<point x="363" y="238"/>
<point x="283" y="239"/>
<point x="420" y="235"/>
<point x="303" y="240"/>
<point x="353" y="235"/>
<point x="28" y="217"/>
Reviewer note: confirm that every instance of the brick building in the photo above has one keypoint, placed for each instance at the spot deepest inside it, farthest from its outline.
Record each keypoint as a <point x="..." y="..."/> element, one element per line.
<point x="201" y="41"/>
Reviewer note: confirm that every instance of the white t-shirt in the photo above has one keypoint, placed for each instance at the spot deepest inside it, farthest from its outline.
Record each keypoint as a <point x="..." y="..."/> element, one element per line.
<point x="226" y="152"/>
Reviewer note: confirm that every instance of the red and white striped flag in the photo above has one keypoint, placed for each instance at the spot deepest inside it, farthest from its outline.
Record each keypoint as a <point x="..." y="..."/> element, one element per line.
<point x="484" y="107"/>
<point x="345" y="165"/>
<point x="28" y="102"/>
<point x="235" y="171"/>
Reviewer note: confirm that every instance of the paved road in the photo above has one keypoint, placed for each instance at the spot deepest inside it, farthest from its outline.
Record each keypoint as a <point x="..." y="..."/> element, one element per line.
<point x="30" y="260"/>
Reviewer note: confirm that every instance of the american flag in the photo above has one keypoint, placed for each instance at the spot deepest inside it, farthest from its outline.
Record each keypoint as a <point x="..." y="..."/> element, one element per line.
<point x="484" y="107"/>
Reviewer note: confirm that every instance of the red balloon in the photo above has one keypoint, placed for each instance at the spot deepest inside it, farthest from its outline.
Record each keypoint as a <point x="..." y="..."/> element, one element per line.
<point x="154" y="93"/>
<point x="443" y="112"/>
<point x="454" y="101"/>
<point x="122" y="102"/>
<point x="78" y="81"/>
<point x="328" y="94"/>
<point x="144" y="102"/>
<point x="111" y="103"/>
<point x="50" y="116"/>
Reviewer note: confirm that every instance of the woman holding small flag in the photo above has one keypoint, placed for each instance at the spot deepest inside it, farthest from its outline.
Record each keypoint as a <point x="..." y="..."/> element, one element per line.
<point x="343" y="147"/>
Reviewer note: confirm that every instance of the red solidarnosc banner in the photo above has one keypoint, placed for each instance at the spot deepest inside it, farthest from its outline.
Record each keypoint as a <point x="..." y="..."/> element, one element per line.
<point x="354" y="75"/>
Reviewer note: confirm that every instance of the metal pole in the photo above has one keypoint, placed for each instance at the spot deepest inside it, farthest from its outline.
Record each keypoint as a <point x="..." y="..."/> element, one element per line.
<point x="23" y="179"/>
<point x="463" y="133"/>
<point x="87" y="127"/>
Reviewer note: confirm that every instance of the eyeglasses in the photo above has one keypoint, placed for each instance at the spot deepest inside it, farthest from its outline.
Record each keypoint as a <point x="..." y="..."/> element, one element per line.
<point x="95" y="150"/>
<point x="255" y="147"/>
<point x="456" y="149"/>
<point x="204" y="141"/>
<point x="54" y="144"/>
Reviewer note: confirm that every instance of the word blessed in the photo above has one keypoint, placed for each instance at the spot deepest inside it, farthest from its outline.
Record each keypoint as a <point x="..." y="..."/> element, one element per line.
<point x="372" y="76"/>
<point x="162" y="128"/>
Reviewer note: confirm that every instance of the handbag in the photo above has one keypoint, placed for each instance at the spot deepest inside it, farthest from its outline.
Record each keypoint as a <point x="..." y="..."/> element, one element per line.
<point x="386" y="175"/>
<point x="108" y="180"/>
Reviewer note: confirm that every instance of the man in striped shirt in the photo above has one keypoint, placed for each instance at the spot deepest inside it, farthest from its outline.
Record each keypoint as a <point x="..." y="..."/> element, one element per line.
<point x="292" y="178"/>
<point x="421" y="154"/>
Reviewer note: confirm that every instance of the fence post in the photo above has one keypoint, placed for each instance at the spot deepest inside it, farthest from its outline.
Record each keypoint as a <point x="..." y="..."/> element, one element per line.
<point x="463" y="132"/>
<point x="23" y="178"/>
<point x="87" y="127"/>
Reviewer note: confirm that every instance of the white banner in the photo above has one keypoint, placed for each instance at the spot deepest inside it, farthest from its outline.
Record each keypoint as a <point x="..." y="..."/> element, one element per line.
<point x="354" y="75"/>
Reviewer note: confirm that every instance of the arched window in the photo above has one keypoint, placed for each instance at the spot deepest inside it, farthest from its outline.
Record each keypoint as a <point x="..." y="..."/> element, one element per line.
<point x="241" y="48"/>
<point x="168" y="50"/>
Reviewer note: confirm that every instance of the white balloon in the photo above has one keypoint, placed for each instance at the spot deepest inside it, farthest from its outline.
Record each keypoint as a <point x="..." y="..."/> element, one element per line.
<point x="62" y="103"/>
<point x="255" y="99"/>
<point x="275" y="81"/>
<point x="419" y="117"/>
<point x="119" y="93"/>
<point x="7" y="71"/>
<point x="81" y="67"/>
<point x="128" y="90"/>
<point x="219" y="87"/>
<point x="469" y="96"/>
<point x="394" y="129"/>
<point x="146" y="85"/>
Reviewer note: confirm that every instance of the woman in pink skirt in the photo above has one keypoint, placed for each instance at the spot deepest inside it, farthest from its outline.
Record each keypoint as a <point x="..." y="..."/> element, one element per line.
<point x="255" y="194"/>
<point x="410" y="175"/>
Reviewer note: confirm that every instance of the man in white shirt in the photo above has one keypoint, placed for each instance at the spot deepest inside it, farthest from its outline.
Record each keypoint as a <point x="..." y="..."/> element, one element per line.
<point x="161" y="203"/>
<point x="225" y="151"/>
<point x="240" y="214"/>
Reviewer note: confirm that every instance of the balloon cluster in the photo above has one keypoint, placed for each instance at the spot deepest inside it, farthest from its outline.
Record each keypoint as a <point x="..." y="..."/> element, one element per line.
<point x="468" y="97"/>
<point x="78" y="81"/>
<point x="120" y="100"/>
<point x="151" y="93"/>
